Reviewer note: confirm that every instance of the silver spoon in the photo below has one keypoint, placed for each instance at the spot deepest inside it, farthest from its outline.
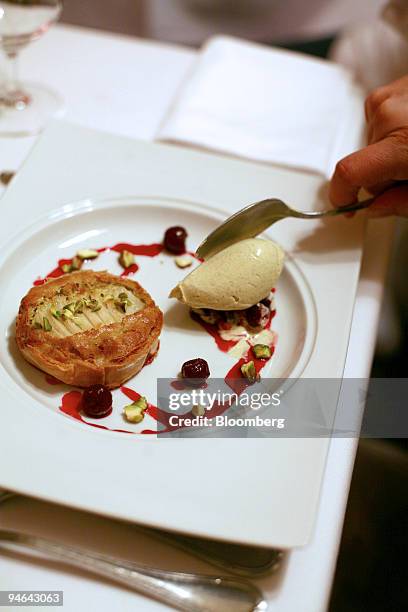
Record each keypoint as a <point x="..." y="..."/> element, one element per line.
<point x="183" y="591"/>
<point x="255" y="218"/>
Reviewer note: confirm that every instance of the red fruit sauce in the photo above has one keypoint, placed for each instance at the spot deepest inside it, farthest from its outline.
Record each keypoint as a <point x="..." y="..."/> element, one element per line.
<point x="148" y="250"/>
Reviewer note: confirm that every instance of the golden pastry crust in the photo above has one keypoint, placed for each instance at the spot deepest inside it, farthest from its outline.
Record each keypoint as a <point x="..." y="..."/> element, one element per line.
<point x="97" y="334"/>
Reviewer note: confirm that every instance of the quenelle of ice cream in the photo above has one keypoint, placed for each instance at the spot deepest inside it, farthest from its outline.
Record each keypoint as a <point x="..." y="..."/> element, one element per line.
<point x="233" y="279"/>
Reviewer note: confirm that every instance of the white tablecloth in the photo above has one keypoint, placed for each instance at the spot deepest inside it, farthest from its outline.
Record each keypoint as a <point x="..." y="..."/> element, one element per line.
<point x="125" y="85"/>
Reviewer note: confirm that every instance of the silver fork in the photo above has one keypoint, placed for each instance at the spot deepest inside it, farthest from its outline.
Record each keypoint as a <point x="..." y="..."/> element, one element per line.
<point x="255" y="218"/>
<point x="183" y="591"/>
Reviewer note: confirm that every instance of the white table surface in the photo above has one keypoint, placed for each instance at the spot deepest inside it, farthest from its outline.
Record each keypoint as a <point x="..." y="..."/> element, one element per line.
<point x="125" y="85"/>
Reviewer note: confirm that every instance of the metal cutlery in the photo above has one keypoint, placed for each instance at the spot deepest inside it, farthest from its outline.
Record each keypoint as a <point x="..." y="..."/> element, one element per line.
<point x="255" y="218"/>
<point x="183" y="591"/>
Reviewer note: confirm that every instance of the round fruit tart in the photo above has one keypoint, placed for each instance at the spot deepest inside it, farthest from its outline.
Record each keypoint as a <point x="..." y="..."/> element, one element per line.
<point x="87" y="328"/>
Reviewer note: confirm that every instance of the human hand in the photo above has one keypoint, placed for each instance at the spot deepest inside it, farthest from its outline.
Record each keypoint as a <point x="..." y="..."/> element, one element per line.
<point x="382" y="166"/>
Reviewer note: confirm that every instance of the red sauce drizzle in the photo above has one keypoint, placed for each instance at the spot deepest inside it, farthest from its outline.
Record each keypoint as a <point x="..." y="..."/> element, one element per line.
<point x="148" y="250"/>
<point x="55" y="273"/>
<point x="71" y="405"/>
<point x="234" y="378"/>
<point x="163" y="417"/>
<point x="152" y="357"/>
<point x="178" y="385"/>
<point x="223" y="345"/>
<point x="194" y="255"/>
<point x="130" y="270"/>
<point x="53" y="381"/>
<point x="156" y="413"/>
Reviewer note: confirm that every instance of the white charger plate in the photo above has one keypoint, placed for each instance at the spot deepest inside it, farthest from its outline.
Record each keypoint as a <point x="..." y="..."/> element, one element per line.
<point x="256" y="491"/>
<point x="139" y="220"/>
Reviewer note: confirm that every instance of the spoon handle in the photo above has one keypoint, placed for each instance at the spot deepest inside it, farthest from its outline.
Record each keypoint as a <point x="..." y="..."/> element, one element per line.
<point x="337" y="211"/>
<point x="183" y="591"/>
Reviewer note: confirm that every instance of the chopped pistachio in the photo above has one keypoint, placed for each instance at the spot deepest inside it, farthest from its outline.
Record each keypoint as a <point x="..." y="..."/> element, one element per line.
<point x="66" y="268"/>
<point x="122" y="302"/>
<point x="46" y="325"/>
<point x="77" y="263"/>
<point x="70" y="307"/>
<point x="126" y="259"/>
<point x="134" y="412"/>
<point x="120" y="305"/>
<point x="92" y="304"/>
<point x="67" y="314"/>
<point x="140" y="403"/>
<point x="198" y="410"/>
<point x="55" y="313"/>
<point x="37" y="325"/>
<point x="262" y="351"/>
<point x="87" y="254"/>
<point x="79" y="307"/>
<point x="183" y="261"/>
<point x="248" y="371"/>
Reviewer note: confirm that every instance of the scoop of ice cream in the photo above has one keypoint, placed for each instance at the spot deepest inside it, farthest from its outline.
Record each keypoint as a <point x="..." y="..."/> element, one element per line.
<point x="233" y="279"/>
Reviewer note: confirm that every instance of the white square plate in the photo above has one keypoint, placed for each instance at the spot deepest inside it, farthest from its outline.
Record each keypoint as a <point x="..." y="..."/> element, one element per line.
<point x="247" y="490"/>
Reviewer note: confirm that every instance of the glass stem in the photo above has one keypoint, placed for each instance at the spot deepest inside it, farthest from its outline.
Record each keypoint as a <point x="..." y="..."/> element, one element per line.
<point x="11" y="84"/>
<point x="12" y="94"/>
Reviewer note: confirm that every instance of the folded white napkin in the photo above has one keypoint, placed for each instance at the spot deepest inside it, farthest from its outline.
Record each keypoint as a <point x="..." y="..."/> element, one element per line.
<point x="267" y="105"/>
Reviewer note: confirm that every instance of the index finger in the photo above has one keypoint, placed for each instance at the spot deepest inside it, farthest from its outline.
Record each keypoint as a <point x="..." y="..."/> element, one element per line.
<point x="377" y="163"/>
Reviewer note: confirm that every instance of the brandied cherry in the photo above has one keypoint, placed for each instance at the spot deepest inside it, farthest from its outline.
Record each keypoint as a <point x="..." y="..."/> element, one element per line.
<point x="196" y="371"/>
<point x="97" y="401"/>
<point x="254" y="315"/>
<point x="175" y="240"/>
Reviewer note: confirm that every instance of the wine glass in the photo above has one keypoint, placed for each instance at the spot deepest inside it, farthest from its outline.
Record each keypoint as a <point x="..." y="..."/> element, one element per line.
<point x="25" y="107"/>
